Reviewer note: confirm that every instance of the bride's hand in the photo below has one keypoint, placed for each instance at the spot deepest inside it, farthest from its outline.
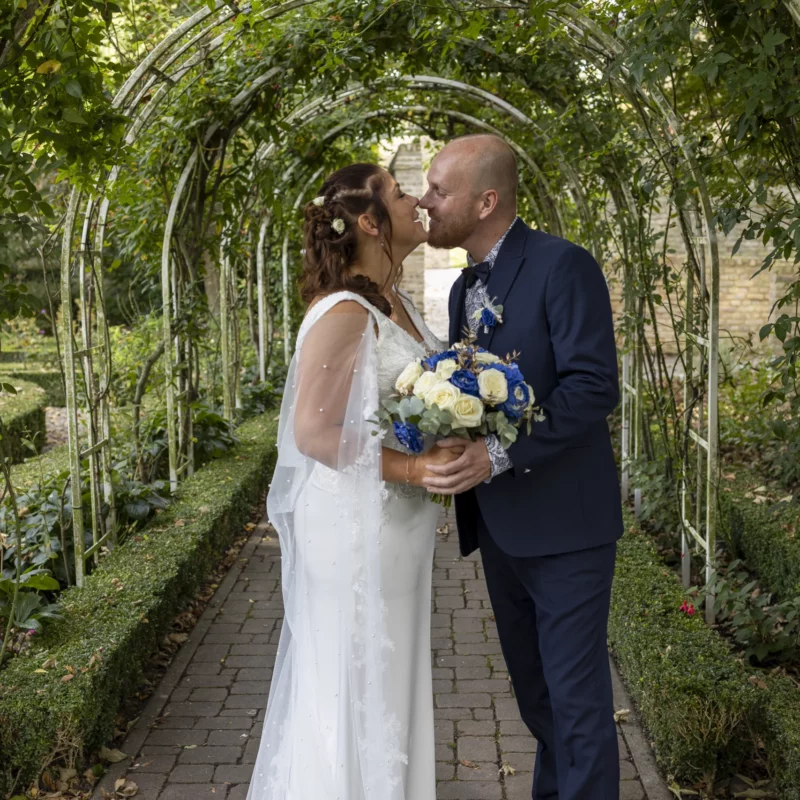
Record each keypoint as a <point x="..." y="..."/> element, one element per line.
<point x="437" y="456"/>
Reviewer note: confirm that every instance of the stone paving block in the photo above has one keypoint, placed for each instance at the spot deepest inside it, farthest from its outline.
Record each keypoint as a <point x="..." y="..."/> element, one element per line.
<point x="176" y="737"/>
<point x="190" y="709"/>
<point x="518" y="787"/>
<point x="211" y="755"/>
<point x="227" y="638"/>
<point x="149" y="785"/>
<point x="251" y="649"/>
<point x="192" y="773"/>
<point x="251" y="687"/>
<point x="476" y="748"/>
<point x="204" y="668"/>
<point x="234" y="773"/>
<point x="477" y="771"/>
<point x="469" y="790"/>
<point x="472" y="727"/>
<point x="238" y="792"/>
<point x="506" y="709"/>
<point x="627" y="772"/>
<point x="513" y="727"/>
<point x="231" y="723"/>
<point x="517" y="744"/>
<point x="631" y="790"/>
<point x="207" y="694"/>
<point x="206" y="681"/>
<point x="246" y="701"/>
<point x="191" y="791"/>
<point x="251" y="750"/>
<point x="457" y="699"/>
<point x="211" y="652"/>
<point x="445" y="771"/>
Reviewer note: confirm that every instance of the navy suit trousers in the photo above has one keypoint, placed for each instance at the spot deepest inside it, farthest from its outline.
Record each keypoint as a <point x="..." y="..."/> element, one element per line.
<point x="552" y="616"/>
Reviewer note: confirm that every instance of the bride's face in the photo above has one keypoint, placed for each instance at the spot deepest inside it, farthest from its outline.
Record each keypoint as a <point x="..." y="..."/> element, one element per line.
<point x="408" y="230"/>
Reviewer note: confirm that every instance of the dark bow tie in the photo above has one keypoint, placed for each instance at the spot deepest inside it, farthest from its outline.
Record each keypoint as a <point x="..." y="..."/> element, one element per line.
<point x="480" y="272"/>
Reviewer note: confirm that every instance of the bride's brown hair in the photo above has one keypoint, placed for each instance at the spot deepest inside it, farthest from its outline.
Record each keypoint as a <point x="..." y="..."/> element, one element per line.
<point x="347" y="194"/>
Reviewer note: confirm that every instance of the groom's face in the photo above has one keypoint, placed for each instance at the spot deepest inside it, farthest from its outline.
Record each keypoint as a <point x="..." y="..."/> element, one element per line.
<point x="452" y="207"/>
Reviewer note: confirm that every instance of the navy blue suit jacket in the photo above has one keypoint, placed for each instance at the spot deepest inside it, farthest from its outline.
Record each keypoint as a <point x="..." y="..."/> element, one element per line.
<point x="563" y="492"/>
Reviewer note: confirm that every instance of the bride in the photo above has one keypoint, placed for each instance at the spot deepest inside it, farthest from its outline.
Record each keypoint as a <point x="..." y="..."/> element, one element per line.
<point x="350" y="711"/>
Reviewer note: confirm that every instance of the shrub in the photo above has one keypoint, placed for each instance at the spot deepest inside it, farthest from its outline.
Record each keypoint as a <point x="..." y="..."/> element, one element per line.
<point x="762" y="532"/>
<point x="23" y="417"/>
<point x="113" y="624"/>
<point x="50" y="381"/>
<point x="693" y="694"/>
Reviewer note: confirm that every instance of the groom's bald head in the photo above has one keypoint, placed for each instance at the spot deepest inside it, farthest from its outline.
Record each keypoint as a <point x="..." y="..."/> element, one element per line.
<point x="472" y="190"/>
<point x="487" y="162"/>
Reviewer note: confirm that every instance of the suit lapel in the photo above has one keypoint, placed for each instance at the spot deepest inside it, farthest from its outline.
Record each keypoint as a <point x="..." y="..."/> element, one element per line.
<point x="457" y="308"/>
<point x="504" y="273"/>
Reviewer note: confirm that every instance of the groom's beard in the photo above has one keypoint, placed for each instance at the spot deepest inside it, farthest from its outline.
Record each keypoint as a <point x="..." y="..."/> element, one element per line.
<point x="451" y="233"/>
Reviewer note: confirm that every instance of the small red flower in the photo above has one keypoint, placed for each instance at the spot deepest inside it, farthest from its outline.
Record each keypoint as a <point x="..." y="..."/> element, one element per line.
<point x="690" y="610"/>
<point x="684" y="607"/>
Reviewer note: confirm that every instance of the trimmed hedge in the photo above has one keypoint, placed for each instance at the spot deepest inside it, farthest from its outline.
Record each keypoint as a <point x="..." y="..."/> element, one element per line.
<point x="692" y="693"/>
<point x="765" y="535"/>
<point x="49" y="381"/>
<point x="115" y="622"/>
<point x="780" y="731"/>
<point x="23" y="416"/>
<point x="29" y="472"/>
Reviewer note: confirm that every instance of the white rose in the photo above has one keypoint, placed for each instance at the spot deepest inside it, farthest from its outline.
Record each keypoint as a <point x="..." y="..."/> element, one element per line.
<point x="425" y="383"/>
<point x="493" y="386"/>
<point x="445" y="368"/>
<point x="486" y="358"/>
<point x="467" y="411"/>
<point x="408" y="377"/>
<point x="532" y="400"/>
<point x="444" y="395"/>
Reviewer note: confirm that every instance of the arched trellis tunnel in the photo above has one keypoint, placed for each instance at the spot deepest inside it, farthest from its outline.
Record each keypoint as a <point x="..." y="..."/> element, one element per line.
<point x="280" y="115"/>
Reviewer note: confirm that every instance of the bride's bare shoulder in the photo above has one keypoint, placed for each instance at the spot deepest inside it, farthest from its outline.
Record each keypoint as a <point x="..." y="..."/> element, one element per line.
<point x="342" y="306"/>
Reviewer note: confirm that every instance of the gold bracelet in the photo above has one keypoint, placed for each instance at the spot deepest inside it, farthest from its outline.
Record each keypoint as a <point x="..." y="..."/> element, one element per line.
<point x="408" y="467"/>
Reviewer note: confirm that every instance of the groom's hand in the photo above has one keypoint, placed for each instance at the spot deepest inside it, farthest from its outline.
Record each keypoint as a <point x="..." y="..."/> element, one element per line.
<point x="472" y="467"/>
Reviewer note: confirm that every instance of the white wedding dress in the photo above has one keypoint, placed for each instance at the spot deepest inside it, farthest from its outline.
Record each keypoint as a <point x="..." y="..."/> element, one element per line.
<point x="350" y="711"/>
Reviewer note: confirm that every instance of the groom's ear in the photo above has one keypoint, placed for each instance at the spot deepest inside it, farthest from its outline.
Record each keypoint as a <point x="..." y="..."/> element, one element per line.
<point x="368" y="224"/>
<point x="489" y="200"/>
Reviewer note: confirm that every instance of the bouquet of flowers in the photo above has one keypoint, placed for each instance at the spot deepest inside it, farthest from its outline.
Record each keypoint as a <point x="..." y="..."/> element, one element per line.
<point x="465" y="391"/>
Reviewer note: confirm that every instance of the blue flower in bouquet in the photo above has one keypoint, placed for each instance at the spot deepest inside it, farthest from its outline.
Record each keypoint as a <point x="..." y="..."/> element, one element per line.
<point x="519" y="397"/>
<point x="431" y="361"/>
<point x="409" y="436"/>
<point x="466" y="381"/>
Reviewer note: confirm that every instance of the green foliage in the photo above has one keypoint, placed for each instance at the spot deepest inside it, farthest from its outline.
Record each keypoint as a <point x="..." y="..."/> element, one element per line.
<point x="22" y="412"/>
<point x="768" y="631"/>
<point x="762" y="532"/>
<point x="113" y="625"/>
<point x="693" y="695"/>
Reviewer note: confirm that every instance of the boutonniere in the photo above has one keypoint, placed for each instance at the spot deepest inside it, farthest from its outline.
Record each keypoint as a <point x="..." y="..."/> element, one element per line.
<point x="490" y="315"/>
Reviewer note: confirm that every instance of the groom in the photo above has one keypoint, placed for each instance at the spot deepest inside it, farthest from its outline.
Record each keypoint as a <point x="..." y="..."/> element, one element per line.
<point x="546" y="513"/>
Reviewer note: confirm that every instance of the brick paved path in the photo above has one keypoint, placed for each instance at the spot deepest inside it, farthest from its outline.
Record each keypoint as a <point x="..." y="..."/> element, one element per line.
<point x="198" y="736"/>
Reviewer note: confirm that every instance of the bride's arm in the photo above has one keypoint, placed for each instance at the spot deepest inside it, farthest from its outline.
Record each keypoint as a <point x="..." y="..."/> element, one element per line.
<point x="327" y="375"/>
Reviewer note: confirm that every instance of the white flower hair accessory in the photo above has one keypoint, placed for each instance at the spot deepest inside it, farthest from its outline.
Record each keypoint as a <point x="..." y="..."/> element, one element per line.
<point x="338" y="225"/>
<point x="319" y="201"/>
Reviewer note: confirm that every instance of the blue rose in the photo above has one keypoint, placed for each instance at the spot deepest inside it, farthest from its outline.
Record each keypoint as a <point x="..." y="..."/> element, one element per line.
<point x="431" y="361"/>
<point x="409" y="436"/>
<point x="465" y="381"/>
<point x="488" y="319"/>
<point x="518" y="399"/>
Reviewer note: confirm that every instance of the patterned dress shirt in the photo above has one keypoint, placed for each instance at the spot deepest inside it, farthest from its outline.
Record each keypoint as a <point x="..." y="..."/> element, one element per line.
<point x="476" y="298"/>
